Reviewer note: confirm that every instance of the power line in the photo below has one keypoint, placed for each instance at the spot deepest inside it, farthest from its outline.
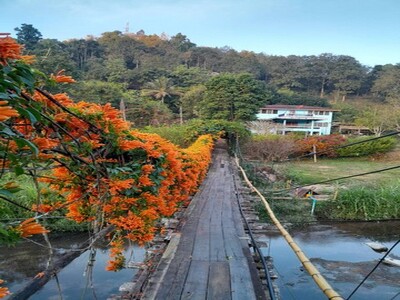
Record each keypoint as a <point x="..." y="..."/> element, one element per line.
<point x="376" y="266"/>
<point x="335" y="179"/>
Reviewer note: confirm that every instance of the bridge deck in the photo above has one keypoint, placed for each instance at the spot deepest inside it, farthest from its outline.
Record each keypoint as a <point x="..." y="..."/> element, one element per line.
<point x="209" y="258"/>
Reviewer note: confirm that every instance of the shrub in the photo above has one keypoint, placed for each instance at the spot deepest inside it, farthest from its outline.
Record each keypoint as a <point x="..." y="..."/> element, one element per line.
<point x="269" y="147"/>
<point x="323" y="144"/>
<point x="368" y="148"/>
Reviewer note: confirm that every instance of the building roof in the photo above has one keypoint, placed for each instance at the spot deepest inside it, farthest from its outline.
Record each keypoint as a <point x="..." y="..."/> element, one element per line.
<point x="298" y="107"/>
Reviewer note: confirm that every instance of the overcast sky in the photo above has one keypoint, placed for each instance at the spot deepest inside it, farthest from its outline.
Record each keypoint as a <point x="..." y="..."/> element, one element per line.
<point x="368" y="30"/>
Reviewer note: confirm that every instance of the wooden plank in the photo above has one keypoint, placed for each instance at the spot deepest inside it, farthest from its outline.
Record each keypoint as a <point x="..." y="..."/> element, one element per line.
<point x="219" y="281"/>
<point x="241" y="282"/>
<point x="196" y="282"/>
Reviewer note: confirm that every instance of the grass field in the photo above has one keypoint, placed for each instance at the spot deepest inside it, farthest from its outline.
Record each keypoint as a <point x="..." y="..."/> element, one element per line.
<point x="306" y="172"/>
<point x="370" y="197"/>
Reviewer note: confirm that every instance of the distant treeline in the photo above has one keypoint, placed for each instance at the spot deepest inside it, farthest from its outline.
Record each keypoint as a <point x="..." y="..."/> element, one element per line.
<point x="131" y="61"/>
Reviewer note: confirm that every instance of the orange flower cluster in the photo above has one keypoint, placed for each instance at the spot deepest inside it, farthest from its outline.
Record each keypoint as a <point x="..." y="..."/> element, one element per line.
<point x="3" y="290"/>
<point x="116" y="254"/>
<point x="61" y="78"/>
<point x="104" y="171"/>
<point x="7" y="112"/>
<point x="30" y="227"/>
<point x="10" y="49"/>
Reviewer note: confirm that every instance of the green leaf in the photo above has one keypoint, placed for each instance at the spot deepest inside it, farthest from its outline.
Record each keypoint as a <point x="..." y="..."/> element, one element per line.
<point x="5" y="96"/>
<point x="26" y="113"/>
<point x="8" y="131"/>
<point x="18" y="170"/>
<point x="6" y="193"/>
<point x="23" y="142"/>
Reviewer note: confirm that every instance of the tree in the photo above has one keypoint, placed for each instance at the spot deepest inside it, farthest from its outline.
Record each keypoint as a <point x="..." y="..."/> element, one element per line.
<point x="83" y="50"/>
<point x="233" y="97"/>
<point x="181" y="42"/>
<point x="142" y="112"/>
<point x="387" y="83"/>
<point x="187" y="77"/>
<point x="99" y="92"/>
<point x="286" y="72"/>
<point x="53" y="56"/>
<point x="320" y="68"/>
<point x="160" y="88"/>
<point x="28" y="35"/>
<point x="376" y="118"/>
<point x="191" y="99"/>
<point x="347" y="75"/>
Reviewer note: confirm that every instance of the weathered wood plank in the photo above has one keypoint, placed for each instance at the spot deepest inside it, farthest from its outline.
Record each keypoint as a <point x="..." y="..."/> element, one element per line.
<point x="197" y="280"/>
<point x="241" y="282"/>
<point x="219" y="281"/>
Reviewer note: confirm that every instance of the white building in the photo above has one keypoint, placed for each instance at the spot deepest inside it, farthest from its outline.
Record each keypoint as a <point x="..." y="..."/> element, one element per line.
<point x="311" y="120"/>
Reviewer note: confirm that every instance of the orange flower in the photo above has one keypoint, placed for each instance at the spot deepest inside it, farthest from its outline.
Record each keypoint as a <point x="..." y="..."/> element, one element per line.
<point x="7" y="112"/>
<point x="45" y="143"/>
<point x="9" y="48"/>
<point x="61" y="78"/>
<point x="120" y="185"/>
<point x="145" y="181"/>
<point x="3" y="290"/>
<point x="39" y="275"/>
<point x="30" y="227"/>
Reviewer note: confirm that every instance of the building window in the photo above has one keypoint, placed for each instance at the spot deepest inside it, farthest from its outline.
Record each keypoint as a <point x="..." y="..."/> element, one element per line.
<point x="269" y="111"/>
<point x="321" y="124"/>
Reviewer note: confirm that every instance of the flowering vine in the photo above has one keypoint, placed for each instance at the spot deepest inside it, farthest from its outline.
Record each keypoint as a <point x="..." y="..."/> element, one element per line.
<point x="103" y="172"/>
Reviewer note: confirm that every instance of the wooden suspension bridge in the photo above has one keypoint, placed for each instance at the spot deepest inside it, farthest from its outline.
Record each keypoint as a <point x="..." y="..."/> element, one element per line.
<point x="209" y="257"/>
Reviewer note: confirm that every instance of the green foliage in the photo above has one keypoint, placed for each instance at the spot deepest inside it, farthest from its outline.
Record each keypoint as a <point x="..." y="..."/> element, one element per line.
<point x="184" y="135"/>
<point x="346" y="113"/>
<point x="190" y="100"/>
<point x="51" y="56"/>
<point x="382" y="145"/>
<point x="387" y="83"/>
<point x="143" y="112"/>
<point x="187" y="77"/>
<point x="100" y="92"/>
<point x="28" y="35"/>
<point x="363" y="203"/>
<point x="283" y="97"/>
<point x="176" y="134"/>
<point x="198" y="127"/>
<point x="233" y="97"/>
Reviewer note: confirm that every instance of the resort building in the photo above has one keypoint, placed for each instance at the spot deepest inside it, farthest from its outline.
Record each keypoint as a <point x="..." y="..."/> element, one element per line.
<point x="311" y="120"/>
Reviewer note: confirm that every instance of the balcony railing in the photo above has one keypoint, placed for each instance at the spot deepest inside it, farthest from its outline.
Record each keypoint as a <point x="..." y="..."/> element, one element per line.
<point x="301" y="126"/>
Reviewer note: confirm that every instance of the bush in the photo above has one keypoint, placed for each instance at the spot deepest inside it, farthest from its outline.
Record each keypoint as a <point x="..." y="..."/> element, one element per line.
<point x="269" y="147"/>
<point x="368" y="148"/>
<point x="184" y="135"/>
<point x="323" y="144"/>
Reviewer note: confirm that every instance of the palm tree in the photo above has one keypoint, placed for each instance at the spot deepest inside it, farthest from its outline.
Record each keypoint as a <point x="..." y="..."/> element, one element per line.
<point x="160" y="88"/>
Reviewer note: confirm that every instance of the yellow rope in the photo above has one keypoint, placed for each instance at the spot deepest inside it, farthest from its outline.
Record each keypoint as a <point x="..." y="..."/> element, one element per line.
<point x="311" y="269"/>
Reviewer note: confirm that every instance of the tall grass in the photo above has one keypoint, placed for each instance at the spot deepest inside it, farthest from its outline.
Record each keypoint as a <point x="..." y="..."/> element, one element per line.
<point x="363" y="203"/>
